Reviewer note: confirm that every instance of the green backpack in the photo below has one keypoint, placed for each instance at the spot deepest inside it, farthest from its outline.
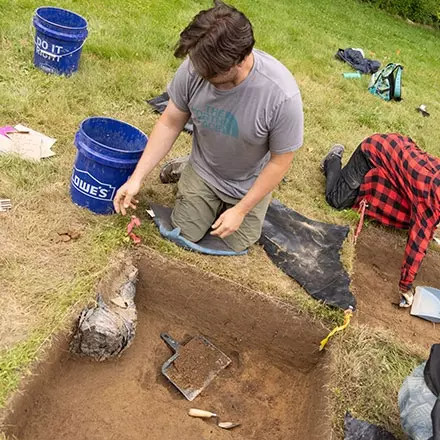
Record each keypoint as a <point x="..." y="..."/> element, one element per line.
<point x="387" y="83"/>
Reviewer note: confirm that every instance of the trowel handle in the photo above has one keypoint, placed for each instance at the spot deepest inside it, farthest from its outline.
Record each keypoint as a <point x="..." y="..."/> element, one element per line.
<point x="170" y="341"/>
<point x="193" y="412"/>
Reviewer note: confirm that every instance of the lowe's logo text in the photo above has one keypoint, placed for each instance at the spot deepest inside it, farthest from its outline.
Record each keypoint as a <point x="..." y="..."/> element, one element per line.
<point x="88" y="185"/>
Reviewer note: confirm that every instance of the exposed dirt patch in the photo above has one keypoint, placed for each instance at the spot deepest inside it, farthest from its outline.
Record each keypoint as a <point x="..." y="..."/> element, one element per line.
<point x="274" y="386"/>
<point x="379" y="255"/>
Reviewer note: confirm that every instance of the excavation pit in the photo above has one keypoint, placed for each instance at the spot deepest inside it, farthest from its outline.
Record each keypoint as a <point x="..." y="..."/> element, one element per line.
<point x="275" y="386"/>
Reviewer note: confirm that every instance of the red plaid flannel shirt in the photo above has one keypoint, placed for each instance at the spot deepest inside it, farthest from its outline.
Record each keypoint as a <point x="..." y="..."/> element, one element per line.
<point x="403" y="191"/>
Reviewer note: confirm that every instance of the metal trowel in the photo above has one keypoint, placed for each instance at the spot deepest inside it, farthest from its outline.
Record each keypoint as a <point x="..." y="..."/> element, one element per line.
<point x="194" y="365"/>
<point x="426" y="304"/>
<point x="202" y="414"/>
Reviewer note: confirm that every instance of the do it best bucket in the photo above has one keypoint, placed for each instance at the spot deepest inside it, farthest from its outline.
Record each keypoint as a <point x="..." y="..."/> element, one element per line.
<point x="108" y="152"/>
<point x="59" y="38"/>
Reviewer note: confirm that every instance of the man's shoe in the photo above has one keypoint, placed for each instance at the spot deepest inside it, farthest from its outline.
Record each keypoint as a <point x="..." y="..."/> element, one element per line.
<point x="336" y="151"/>
<point x="172" y="170"/>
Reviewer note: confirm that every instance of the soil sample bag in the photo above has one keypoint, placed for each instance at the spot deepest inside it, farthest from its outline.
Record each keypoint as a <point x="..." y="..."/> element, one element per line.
<point x="106" y="330"/>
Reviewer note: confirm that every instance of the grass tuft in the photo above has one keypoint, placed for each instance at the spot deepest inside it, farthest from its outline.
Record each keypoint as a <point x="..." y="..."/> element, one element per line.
<point x="368" y="369"/>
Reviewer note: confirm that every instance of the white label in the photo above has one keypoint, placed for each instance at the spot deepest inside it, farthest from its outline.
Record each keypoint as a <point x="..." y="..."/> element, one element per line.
<point x="48" y="51"/>
<point x="92" y="187"/>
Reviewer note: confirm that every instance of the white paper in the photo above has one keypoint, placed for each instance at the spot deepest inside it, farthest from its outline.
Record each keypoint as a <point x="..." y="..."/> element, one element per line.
<point x="47" y="142"/>
<point x="27" y="143"/>
<point x="5" y="144"/>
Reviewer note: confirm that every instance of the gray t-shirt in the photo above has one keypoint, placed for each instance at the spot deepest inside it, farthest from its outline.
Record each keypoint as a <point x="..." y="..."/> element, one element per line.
<point x="235" y="130"/>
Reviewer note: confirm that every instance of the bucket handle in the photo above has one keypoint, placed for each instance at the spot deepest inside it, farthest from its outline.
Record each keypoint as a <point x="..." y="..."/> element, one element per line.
<point x="45" y="52"/>
<point x="34" y="36"/>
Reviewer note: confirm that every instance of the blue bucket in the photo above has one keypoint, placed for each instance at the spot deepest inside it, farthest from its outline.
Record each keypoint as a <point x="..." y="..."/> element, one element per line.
<point x="108" y="152"/>
<point x="59" y="39"/>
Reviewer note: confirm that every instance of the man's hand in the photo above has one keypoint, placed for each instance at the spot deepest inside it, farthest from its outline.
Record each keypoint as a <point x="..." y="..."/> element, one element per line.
<point x="406" y="298"/>
<point x="124" y="197"/>
<point x="228" y="222"/>
<point x="162" y="138"/>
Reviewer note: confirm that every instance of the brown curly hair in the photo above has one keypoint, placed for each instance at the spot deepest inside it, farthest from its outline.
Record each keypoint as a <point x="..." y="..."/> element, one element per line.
<point x="216" y="40"/>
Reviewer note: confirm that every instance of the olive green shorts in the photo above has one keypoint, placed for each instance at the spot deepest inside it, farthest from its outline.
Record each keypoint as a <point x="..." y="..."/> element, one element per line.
<point x="198" y="205"/>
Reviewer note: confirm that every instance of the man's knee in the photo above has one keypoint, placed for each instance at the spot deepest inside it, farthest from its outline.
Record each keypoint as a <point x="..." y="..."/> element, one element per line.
<point x="192" y="234"/>
<point x="250" y="230"/>
<point x="196" y="206"/>
<point x="192" y="227"/>
<point x="240" y="241"/>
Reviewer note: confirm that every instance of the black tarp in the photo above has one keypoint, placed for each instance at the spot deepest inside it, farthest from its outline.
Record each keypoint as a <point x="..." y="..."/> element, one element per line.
<point x="309" y="252"/>
<point x="355" y="429"/>
<point x="432" y="379"/>
<point x="159" y="103"/>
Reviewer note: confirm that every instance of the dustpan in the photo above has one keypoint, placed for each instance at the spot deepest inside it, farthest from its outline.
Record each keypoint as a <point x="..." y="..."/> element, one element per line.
<point x="426" y="303"/>
<point x="194" y="365"/>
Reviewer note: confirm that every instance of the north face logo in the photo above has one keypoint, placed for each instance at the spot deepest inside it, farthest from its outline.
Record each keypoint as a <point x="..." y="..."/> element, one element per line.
<point x="214" y="119"/>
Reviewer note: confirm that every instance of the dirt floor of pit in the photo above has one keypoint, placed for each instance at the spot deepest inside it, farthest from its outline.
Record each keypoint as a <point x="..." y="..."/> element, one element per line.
<point x="274" y="386"/>
<point x="379" y="255"/>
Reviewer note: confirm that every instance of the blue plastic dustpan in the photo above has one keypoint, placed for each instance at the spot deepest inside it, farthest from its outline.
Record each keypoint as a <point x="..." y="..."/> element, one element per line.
<point x="426" y="304"/>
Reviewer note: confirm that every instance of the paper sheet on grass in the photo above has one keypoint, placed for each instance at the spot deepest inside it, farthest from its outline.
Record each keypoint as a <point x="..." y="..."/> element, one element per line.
<point x="27" y="143"/>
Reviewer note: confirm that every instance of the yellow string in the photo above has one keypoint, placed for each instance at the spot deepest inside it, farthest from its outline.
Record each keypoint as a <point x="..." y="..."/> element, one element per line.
<point x="347" y="317"/>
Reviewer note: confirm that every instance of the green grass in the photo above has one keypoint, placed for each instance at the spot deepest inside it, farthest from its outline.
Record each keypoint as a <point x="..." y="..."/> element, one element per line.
<point x="128" y="59"/>
<point x="368" y="369"/>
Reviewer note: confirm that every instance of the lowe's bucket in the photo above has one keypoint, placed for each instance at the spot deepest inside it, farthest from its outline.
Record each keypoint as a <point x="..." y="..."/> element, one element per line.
<point x="108" y="152"/>
<point x="59" y="39"/>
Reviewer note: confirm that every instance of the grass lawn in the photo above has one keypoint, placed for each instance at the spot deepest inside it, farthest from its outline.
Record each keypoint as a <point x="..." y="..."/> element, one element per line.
<point x="128" y="59"/>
